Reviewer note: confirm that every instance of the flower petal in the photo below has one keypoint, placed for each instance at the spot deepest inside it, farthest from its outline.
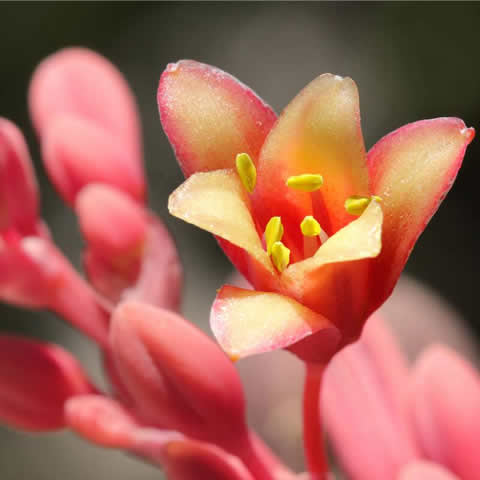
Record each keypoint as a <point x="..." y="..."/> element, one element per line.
<point x="333" y="281"/>
<point x="210" y="117"/>
<point x="36" y="379"/>
<point x="83" y="84"/>
<point x="412" y="169"/>
<point x="445" y="399"/>
<point x="247" y="322"/>
<point x="318" y="133"/>
<point x="216" y="202"/>
<point x="18" y="186"/>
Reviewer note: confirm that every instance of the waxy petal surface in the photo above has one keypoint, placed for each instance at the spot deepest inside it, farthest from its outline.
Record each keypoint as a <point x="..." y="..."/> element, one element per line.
<point x="412" y="169"/>
<point x="80" y="83"/>
<point x="333" y="282"/>
<point x="18" y="186"/>
<point x="210" y="117"/>
<point x="318" y="133"/>
<point x="445" y="404"/>
<point x="36" y="379"/>
<point x="247" y="322"/>
<point x="217" y="202"/>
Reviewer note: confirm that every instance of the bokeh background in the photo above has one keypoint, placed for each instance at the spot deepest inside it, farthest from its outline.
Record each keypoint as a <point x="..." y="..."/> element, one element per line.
<point x="410" y="61"/>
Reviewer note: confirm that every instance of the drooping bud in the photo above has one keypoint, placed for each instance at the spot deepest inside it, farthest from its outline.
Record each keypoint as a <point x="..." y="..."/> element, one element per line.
<point x="36" y="379"/>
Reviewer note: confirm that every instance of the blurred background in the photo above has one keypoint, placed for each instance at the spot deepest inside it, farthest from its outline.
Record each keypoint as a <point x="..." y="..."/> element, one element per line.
<point x="410" y="61"/>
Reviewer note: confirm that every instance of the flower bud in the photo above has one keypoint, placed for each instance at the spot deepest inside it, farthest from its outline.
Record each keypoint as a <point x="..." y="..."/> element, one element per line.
<point x="176" y="375"/>
<point x="36" y="379"/>
<point x="18" y="186"/>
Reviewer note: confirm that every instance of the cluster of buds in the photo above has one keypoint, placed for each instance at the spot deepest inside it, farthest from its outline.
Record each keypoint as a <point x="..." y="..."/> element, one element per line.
<point x="319" y="227"/>
<point x="164" y="405"/>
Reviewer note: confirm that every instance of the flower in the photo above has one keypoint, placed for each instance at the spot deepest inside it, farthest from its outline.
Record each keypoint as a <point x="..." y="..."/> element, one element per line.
<point x="281" y="196"/>
<point x="163" y="405"/>
<point x="420" y="423"/>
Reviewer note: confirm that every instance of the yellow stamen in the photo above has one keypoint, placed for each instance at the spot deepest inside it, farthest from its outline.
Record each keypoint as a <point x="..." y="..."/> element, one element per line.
<point x="308" y="182"/>
<point x="273" y="232"/>
<point x="310" y="227"/>
<point x="356" y="204"/>
<point x="280" y="256"/>
<point x="246" y="171"/>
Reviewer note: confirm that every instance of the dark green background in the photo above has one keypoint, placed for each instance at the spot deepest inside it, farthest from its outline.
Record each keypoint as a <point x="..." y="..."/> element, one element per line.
<point x="410" y="61"/>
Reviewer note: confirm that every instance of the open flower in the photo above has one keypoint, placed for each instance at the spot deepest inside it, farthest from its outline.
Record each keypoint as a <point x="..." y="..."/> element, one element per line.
<point x="320" y="228"/>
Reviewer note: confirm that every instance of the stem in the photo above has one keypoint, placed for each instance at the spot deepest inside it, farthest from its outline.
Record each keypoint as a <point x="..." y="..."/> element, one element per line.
<point x="315" y="455"/>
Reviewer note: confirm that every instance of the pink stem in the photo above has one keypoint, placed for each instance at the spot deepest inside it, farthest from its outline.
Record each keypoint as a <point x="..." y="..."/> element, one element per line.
<point x="315" y="455"/>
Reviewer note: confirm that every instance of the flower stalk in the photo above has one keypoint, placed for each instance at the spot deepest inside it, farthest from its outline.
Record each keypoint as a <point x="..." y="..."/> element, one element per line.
<point x="314" y="445"/>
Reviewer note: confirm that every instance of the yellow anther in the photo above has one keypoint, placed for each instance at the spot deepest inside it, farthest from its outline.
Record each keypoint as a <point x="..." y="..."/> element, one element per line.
<point x="280" y="256"/>
<point x="310" y="227"/>
<point x="273" y="232"/>
<point x="308" y="182"/>
<point x="246" y="171"/>
<point x="356" y="204"/>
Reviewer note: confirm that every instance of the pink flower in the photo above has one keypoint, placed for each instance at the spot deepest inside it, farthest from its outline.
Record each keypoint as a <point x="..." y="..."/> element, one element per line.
<point x="281" y="196"/>
<point x="388" y="421"/>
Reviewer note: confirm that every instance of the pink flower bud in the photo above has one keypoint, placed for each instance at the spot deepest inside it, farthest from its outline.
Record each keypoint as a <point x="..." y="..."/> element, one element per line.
<point x="192" y="460"/>
<point x="129" y="251"/>
<point x="76" y="152"/>
<point x="36" y="379"/>
<point x="18" y="186"/>
<point x="115" y="229"/>
<point x="33" y="273"/>
<point x="83" y="84"/>
<point x="176" y="375"/>
<point x="101" y="420"/>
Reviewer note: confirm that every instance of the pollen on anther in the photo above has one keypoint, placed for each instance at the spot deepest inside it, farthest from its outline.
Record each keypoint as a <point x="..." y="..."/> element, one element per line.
<point x="310" y="227"/>
<point x="308" y="182"/>
<point x="280" y="256"/>
<point x="356" y="204"/>
<point x="273" y="232"/>
<point x="246" y="171"/>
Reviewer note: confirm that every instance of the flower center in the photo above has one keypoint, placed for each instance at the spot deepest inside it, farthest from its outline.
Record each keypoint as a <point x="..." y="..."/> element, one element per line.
<point x="313" y="235"/>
